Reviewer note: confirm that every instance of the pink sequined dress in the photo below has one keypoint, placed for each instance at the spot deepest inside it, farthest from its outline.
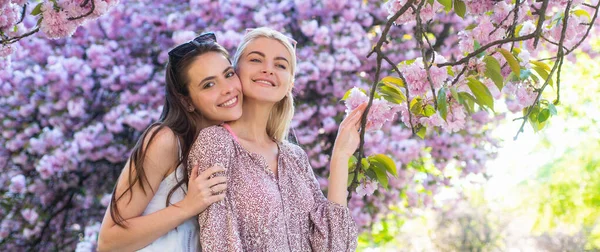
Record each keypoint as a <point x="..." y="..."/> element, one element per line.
<point x="264" y="212"/>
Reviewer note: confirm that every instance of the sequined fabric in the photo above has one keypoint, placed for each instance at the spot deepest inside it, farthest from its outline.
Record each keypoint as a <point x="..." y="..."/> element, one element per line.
<point x="264" y="212"/>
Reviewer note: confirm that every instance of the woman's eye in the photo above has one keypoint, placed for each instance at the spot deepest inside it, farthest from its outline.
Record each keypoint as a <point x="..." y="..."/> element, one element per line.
<point x="254" y="60"/>
<point x="281" y="66"/>
<point x="230" y="74"/>
<point x="208" y="85"/>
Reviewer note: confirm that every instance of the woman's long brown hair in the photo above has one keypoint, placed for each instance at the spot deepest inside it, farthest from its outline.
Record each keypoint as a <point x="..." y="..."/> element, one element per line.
<point x="175" y="117"/>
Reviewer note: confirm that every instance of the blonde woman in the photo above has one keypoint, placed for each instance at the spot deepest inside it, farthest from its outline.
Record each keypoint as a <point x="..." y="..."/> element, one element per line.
<point x="273" y="201"/>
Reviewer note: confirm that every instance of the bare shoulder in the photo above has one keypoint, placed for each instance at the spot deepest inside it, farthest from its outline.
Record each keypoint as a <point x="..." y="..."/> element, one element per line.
<point x="161" y="148"/>
<point x="163" y="139"/>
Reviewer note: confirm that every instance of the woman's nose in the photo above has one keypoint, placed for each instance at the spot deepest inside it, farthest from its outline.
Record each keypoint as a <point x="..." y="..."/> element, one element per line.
<point x="267" y="70"/>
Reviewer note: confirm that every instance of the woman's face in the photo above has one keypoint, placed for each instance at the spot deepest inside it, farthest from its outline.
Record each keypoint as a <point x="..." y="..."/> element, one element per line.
<point x="265" y="70"/>
<point x="214" y="88"/>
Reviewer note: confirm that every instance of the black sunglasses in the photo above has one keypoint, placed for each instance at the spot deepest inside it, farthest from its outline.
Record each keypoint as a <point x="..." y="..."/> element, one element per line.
<point x="181" y="50"/>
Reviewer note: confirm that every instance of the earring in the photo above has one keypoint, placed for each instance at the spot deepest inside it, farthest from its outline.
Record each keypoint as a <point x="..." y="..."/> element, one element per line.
<point x="190" y="109"/>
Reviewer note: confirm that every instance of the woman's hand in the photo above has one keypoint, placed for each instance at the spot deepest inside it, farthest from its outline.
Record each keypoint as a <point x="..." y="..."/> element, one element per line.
<point x="346" y="143"/>
<point x="348" y="136"/>
<point x="204" y="189"/>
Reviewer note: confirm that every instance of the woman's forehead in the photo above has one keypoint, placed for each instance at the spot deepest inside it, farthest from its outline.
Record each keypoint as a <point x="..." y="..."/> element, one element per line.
<point x="267" y="47"/>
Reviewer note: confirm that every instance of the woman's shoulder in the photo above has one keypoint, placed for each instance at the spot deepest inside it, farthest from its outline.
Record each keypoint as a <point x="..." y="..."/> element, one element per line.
<point x="212" y="136"/>
<point x="161" y="138"/>
<point x="292" y="149"/>
<point x="161" y="143"/>
<point x="214" y="132"/>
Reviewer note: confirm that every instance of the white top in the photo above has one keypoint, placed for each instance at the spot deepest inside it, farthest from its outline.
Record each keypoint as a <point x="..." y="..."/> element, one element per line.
<point x="184" y="238"/>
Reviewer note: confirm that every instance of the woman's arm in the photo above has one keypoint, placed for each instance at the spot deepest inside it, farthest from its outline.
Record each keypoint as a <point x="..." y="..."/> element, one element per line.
<point x="161" y="157"/>
<point x="219" y="230"/>
<point x="346" y="143"/>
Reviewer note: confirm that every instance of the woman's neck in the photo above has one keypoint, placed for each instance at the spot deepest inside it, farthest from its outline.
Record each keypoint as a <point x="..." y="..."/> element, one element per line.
<point x="252" y="126"/>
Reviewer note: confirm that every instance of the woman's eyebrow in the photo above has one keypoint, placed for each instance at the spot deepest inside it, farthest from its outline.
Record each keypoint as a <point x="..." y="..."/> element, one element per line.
<point x="214" y="77"/>
<point x="263" y="55"/>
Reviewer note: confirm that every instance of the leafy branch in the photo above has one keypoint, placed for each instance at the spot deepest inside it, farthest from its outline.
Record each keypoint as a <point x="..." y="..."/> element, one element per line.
<point x="380" y="57"/>
<point x="557" y="65"/>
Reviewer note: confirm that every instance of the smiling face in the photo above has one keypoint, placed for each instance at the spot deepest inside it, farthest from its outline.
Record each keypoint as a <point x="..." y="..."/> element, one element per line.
<point x="214" y="88"/>
<point x="265" y="71"/>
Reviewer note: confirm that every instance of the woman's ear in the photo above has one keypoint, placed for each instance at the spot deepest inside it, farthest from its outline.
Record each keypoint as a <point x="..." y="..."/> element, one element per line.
<point x="186" y="102"/>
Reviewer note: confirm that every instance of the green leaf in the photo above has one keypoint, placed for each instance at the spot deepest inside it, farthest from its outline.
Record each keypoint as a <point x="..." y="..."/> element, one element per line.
<point x="346" y="95"/>
<point x="39" y="21"/>
<point x="552" y="109"/>
<point x="384" y="161"/>
<point x="449" y="71"/>
<point x="534" y="78"/>
<point x="406" y="62"/>
<point x="365" y="164"/>
<point x="421" y="132"/>
<point x="391" y="93"/>
<point x="544" y="115"/>
<point x="471" y="26"/>
<point x="493" y="71"/>
<point x="37" y="10"/>
<point x="476" y="47"/>
<point x="393" y="80"/>
<point x="16" y="28"/>
<point x="534" y="118"/>
<point x="348" y="92"/>
<point x="381" y="175"/>
<point x="460" y="8"/>
<point x="525" y="73"/>
<point x="442" y="104"/>
<point x="455" y="94"/>
<point x="468" y="101"/>
<point x="428" y="110"/>
<point x="512" y="61"/>
<point x="518" y="29"/>
<point x="584" y="13"/>
<point x="541" y="71"/>
<point x="481" y="92"/>
<point x="541" y="64"/>
<point x="447" y="4"/>
<point x="416" y="106"/>
<point x="350" y="178"/>
<point x="371" y="174"/>
<point x="352" y="161"/>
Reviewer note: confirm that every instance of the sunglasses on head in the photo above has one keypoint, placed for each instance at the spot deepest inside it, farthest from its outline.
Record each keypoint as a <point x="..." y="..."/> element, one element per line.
<point x="181" y="50"/>
<point x="291" y="40"/>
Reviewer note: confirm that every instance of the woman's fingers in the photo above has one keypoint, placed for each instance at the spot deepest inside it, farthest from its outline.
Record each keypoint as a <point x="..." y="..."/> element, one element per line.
<point x="217" y="189"/>
<point x="354" y="117"/>
<point x="210" y="171"/>
<point x="216" y="198"/>
<point x="215" y="181"/>
<point x="194" y="174"/>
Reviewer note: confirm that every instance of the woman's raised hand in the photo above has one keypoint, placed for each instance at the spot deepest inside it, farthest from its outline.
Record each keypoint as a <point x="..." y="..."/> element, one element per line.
<point x="348" y="137"/>
<point x="204" y="189"/>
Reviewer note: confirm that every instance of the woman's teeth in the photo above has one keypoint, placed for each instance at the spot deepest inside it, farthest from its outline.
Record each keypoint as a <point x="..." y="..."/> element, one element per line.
<point x="229" y="103"/>
<point x="265" y="82"/>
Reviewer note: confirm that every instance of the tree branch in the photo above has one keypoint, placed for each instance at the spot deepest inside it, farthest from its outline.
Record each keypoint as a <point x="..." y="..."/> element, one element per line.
<point x="363" y="122"/>
<point x="560" y="56"/>
<point x="538" y="29"/>
<point x="86" y="14"/>
<point x="419" y="37"/>
<point x="17" y="38"/>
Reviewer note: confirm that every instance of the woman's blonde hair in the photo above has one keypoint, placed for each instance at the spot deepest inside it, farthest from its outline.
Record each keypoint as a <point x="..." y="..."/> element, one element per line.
<point x="278" y="125"/>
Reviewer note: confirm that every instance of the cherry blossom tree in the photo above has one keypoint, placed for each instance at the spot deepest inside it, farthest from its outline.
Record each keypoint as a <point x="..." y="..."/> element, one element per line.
<point x="433" y="72"/>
